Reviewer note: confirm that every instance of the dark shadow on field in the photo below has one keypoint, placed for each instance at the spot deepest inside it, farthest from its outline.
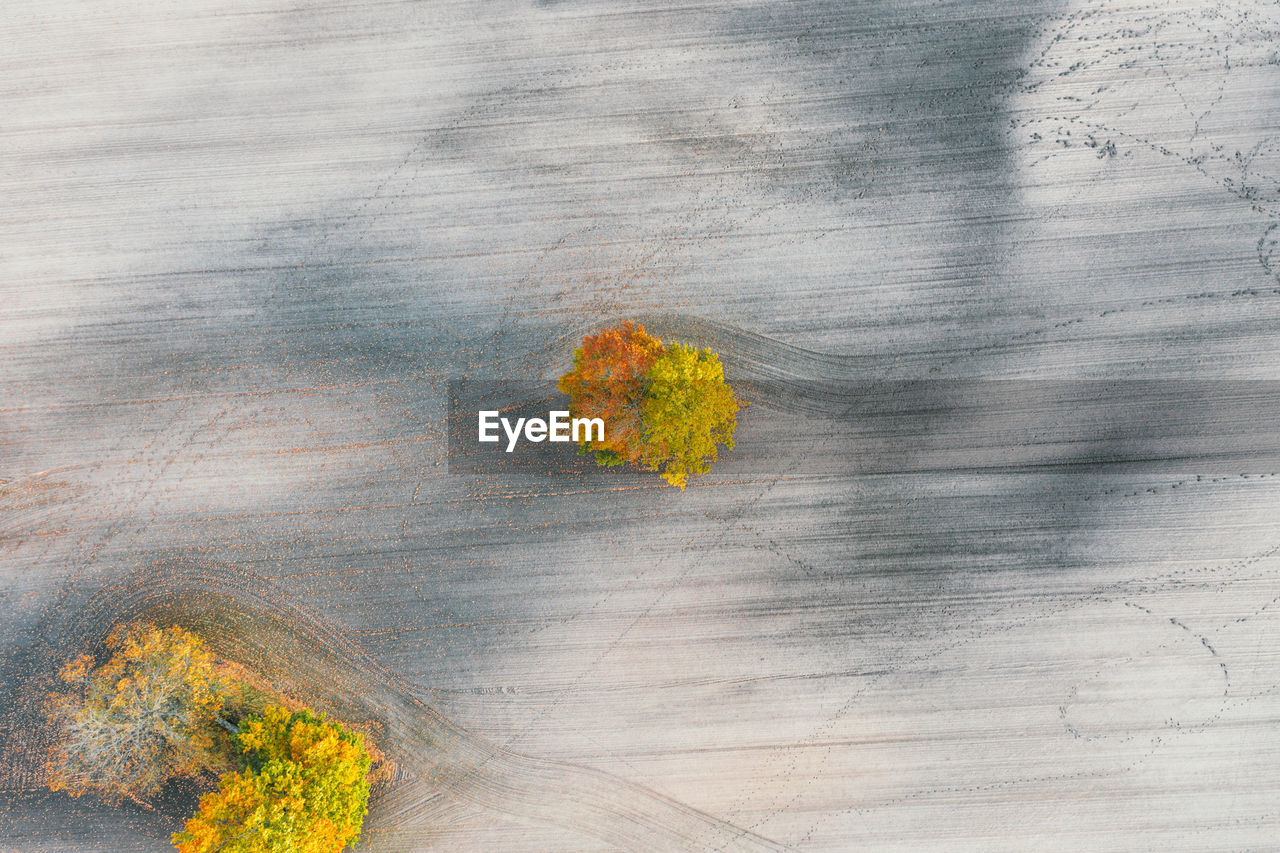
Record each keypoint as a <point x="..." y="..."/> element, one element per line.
<point x="944" y="480"/>
<point x="44" y="822"/>
<point x="900" y="100"/>
<point x="941" y="425"/>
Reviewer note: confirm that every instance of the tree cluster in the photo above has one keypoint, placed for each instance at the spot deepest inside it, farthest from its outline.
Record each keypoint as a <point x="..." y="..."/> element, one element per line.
<point x="666" y="408"/>
<point x="153" y="712"/>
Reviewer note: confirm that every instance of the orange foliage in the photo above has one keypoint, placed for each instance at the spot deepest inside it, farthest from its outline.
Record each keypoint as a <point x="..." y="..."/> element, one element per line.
<point x="608" y="381"/>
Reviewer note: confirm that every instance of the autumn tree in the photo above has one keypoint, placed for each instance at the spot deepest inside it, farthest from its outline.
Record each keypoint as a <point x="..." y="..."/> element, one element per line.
<point x="305" y="789"/>
<point x="142" y="718"/>
<point x="608" y="381"/>
<point x="667" y="409"/>
<point x="688" y="410"/>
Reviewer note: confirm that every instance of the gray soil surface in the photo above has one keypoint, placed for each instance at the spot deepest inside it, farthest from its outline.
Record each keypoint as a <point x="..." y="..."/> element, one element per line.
<point x="994" y="565"/>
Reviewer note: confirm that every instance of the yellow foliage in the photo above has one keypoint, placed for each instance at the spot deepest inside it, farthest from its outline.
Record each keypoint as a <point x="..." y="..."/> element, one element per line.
<point x="305" y="790"/>
<point x="688" y="410"/>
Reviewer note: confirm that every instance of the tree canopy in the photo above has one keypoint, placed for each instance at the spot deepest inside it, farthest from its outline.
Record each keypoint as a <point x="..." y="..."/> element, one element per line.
<point x="305" y="789"/>
<point x="142" y="718"/>
<point x="688" y="410"/>
<point x="608" y="381"/>
<point x="667" y="409"/>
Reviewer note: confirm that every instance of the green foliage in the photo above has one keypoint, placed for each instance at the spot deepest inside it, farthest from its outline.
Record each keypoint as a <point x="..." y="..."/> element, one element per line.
<point x="604" y="458"/>
<point x="145" y="716"/>
<point x="305" y="789"/>
<point x="688" y="411"/>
